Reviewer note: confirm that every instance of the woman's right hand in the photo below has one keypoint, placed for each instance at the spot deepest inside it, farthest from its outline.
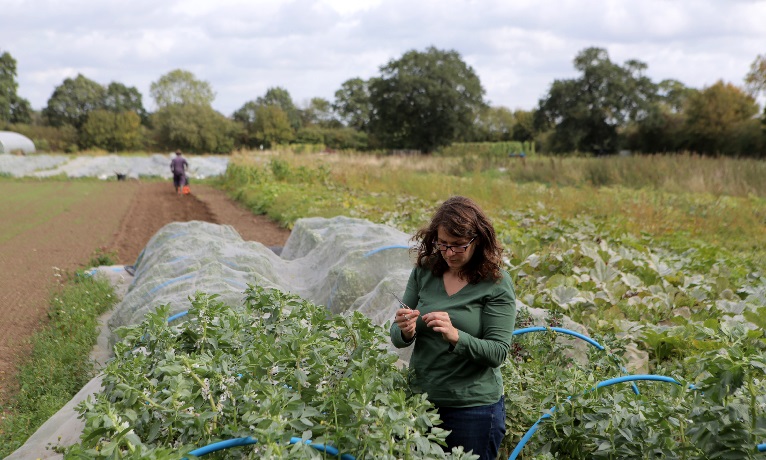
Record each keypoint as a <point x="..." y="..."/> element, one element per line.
<point x="406" y="320"/>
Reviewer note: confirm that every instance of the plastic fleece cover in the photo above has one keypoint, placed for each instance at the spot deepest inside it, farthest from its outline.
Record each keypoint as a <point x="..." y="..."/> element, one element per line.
<point x="342" y="263"/>
<point x="157" y="165"/>
<point x="20" y="166"/>
<point x="107" y="166"/>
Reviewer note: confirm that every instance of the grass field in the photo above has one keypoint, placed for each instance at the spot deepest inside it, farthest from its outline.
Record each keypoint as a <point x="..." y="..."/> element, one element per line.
<point x="25" y="207"/>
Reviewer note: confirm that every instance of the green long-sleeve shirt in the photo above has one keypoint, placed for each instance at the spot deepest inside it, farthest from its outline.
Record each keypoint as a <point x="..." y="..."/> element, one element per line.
<point x="467" y="374"/>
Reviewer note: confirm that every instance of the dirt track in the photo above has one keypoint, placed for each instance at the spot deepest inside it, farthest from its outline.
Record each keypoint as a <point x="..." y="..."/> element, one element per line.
<point x="122" y="219"/>
<point x="156" y="204"/>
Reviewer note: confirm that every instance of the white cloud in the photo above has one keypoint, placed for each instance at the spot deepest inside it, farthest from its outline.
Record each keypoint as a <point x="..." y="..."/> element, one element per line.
<point x="310" y="47"/>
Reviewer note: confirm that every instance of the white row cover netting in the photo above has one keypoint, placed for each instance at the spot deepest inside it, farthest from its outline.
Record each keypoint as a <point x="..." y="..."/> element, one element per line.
<point x="108" y="166"/>
<point x="342" y="263"/>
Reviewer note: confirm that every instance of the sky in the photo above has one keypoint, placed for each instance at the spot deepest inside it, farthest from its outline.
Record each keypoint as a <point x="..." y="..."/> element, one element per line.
<point x="310" y="47"/>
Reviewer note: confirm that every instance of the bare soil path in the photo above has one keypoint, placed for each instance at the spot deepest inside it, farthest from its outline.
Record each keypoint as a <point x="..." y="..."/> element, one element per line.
<point x="122" y="218"/>
<point x="156" y="204"/>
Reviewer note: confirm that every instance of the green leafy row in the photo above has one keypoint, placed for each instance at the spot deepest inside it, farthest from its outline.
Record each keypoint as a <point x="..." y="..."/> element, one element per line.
<point x="274" y="368"/>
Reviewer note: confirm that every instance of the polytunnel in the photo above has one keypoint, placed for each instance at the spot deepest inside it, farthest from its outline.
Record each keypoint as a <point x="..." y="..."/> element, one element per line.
<point x="11" y="142"/>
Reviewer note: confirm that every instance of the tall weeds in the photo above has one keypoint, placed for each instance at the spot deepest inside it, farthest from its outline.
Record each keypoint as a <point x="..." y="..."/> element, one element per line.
<point x="718" y="201"/>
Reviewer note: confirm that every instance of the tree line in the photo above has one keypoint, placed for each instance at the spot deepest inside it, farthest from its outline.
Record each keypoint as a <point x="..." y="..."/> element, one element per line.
<point x="423" y="100"/>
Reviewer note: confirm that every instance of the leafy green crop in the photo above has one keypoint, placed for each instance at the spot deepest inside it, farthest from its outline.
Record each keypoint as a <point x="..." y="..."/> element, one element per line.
<point x="717" y="411"/>
<point x="275" y="368"/>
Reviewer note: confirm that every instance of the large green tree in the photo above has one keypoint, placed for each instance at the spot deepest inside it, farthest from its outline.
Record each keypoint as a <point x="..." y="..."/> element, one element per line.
<point x="194" y="128"/>
<point x="523" y="126"/>
<point x="181" y="87"/>
<point x="319" y="112"/>
<point x="755" y="80"/>
<point x="352" y="103"/>
<point x="281" y="98"/>
<point x="425" y="100"/>
<point x="755" y="83"/>
<point x="495" y="124"/>
<point x="718" y="117"/>
<point x="13" y="108"/>
<point x="586" y="113"/>
<point x="73" y="100"/>
<point x="112" y="131"/>
<point x="662" y="129"/>
<point x="120" y="98"/>
<point x="269" y="119"/>
<point x="245" y="116"/>
<point x="272" y="126"/>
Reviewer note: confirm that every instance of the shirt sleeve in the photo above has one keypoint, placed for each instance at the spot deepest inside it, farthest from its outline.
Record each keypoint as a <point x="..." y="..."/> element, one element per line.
<point x="410" y="298"/>
<point x="498" y="320"/>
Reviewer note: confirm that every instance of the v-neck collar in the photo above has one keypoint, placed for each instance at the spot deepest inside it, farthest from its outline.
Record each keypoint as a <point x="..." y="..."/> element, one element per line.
<point x="444" y="287"/>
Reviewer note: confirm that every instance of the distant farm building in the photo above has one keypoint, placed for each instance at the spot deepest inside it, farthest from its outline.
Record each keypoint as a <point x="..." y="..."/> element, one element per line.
<point x="14" y="142"/>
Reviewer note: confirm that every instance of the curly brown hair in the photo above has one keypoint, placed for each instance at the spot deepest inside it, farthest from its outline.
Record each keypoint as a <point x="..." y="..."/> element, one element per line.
<point x="461" y="217"/>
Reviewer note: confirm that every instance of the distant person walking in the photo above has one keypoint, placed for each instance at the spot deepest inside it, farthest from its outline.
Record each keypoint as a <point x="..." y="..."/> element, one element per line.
<point x="178" y="166"/>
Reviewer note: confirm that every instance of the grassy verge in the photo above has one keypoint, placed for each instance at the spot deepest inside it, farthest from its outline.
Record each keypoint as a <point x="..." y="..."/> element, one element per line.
<point x="59" y="364"/>
<point x="641" y="197"/>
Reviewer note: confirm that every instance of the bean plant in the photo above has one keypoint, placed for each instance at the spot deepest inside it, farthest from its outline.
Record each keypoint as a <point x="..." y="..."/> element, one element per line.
<point x="274" y="368"/>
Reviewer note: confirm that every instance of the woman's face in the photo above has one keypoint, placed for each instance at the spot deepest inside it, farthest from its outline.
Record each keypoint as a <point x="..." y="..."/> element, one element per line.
<point x="455" y="260"/>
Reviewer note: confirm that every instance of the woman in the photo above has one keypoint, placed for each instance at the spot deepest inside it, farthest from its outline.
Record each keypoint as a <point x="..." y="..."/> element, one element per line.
<point x="464" y="311"/>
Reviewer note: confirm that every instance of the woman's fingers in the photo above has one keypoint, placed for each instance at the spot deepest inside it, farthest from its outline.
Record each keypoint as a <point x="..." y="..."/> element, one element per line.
<point x="405" y="318"/>
<point x="440" y="322"/>
<point x="437" y="318"/>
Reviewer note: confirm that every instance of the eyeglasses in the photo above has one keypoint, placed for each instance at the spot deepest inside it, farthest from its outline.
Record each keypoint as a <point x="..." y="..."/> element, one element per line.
<point x="455" y="249"/>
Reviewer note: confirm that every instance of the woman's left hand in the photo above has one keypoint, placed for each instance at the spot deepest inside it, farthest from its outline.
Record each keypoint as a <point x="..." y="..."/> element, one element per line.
<point x="439" y="321"/>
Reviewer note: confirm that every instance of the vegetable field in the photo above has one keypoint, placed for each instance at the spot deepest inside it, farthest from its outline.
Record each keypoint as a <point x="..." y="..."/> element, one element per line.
<point x="669" y="284"/>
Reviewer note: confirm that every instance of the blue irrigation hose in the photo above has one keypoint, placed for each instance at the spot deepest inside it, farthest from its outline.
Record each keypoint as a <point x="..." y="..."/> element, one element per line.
<point x="395" y="246"/>
<point x="178" y="315"/>
<point x="216" y="446"/>
<point x="221" y="445"/>
<point x="761" y="447"/>
<point x="323" y="448"/>
<point x="170" y="281"/>
<point x="527" y="330"/>
<point x="631" y="378"/>
<point x="559" y="329"/>
<point x="625" y="378"/>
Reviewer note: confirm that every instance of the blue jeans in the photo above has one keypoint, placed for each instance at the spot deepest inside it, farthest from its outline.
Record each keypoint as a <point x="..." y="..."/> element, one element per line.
<point x="480" y="429"/>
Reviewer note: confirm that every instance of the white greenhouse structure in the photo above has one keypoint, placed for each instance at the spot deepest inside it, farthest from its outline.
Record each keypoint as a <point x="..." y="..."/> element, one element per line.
<point x="12" y="142"/>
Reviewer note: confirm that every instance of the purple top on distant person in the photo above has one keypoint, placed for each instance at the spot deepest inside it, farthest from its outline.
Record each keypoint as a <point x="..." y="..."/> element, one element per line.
<point x="179" y="166"/>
